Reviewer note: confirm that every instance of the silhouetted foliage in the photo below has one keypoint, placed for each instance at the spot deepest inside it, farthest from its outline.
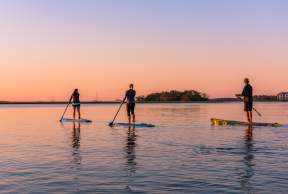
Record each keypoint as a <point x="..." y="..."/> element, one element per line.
<point x="174" y="96"/>
<point x="265" y="98"/>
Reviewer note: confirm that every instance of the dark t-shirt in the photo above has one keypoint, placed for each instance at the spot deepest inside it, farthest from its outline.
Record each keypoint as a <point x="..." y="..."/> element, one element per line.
<point x="76" y="97"/>
<point x="130" y="95"/>
<point x="248" y="93"/>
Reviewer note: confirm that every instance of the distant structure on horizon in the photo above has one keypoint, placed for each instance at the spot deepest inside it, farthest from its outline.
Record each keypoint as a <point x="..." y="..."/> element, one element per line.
<point x="282" y="96"/>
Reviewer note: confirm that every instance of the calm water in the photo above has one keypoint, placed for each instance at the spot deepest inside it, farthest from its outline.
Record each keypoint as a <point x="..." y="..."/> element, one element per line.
<point x="183" y="154"/>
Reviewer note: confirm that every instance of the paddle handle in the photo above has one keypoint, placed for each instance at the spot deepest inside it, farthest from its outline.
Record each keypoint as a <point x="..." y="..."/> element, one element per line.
<point x="65" y="110"/>
<point x="258" y="113"/>
<point x="118" y="111"/>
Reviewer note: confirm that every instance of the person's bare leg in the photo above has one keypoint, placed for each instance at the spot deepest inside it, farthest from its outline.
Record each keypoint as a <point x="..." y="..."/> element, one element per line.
<point x="248" y="117"/>
<point x="250" y="114"/>
<point x="78" y="110"/>
<point x="128" y="113"/>
<point x="133" y="118"/>
<point x="74" y="111"/>
<point x="129" y="119"/>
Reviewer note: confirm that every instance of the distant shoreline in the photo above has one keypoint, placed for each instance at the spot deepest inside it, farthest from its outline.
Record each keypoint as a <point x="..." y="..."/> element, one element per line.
<point x="117" y="102"/>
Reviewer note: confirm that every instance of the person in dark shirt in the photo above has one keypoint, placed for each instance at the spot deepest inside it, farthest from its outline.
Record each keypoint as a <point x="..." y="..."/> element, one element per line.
<point x="75" y="97"/>
<point x="130" y="96"/>
<point x="247" y="95"/>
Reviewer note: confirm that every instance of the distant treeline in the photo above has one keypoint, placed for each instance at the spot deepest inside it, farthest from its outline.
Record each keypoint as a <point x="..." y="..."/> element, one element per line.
<point x="174" y="96"/>
<point x="265" y="98"/>
<point x="258" y="98"/>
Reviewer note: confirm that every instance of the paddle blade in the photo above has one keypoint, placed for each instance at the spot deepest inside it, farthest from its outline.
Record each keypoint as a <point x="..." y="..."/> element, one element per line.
<point x="110" y="124"/>
<point x="258" y="113"/>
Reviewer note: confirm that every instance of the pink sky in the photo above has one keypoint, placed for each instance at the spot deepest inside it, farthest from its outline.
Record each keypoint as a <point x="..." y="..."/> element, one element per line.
<point x="44" y="56"/>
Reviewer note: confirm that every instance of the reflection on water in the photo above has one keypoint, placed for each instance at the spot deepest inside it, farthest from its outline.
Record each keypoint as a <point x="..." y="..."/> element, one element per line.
<point x="76" y="155"/>
<point x="248" y="171"/>
<point x="130" y="151"/>
<point x="182" y="154"/>
<point x="76" y="142"/>
<point x="130" y="155"/>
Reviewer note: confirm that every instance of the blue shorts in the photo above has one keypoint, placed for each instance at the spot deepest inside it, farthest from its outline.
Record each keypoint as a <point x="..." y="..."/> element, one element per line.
<point x="76" y="104"/>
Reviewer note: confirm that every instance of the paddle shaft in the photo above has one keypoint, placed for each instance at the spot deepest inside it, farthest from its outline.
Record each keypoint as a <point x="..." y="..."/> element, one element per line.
<point x="258" y="113"/>
<point x="65" y="110"/>
<point x="118" y="111"/>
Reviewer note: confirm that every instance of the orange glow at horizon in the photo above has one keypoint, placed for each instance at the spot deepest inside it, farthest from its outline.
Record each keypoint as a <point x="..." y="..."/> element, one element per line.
<point x="44" y="59"/>
<point x="106" y="78"/>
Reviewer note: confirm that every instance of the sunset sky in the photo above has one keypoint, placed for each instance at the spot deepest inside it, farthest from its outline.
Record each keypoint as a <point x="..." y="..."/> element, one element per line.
<point x="49" y="47"/>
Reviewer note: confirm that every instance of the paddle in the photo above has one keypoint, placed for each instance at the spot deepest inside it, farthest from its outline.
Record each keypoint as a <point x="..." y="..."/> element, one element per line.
<point x="65" y="110"/>
<point x="111" y="123"/>
<point x="258" y="113"/>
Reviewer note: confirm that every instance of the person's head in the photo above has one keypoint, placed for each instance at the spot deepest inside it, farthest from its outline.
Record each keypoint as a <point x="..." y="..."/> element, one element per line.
<point x="76" y="90"/>
<point x="131" y="86"/>
<point x="246" y="81"/>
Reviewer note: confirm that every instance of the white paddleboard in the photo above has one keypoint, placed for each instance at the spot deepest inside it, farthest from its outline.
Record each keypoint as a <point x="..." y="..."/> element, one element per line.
<point x="134" y="124"/>
<point x="76" y="120"/>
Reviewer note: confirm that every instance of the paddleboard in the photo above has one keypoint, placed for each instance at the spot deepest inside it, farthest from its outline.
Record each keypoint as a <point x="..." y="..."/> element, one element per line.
<point x="76" y="120"/>
<point x="134" y="124"/>
<point x="221" y="122"/>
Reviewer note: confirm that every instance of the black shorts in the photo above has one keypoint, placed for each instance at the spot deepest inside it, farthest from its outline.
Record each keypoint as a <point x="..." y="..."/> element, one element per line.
<point x="130" y="109"/>
<point x="248" y="106"/>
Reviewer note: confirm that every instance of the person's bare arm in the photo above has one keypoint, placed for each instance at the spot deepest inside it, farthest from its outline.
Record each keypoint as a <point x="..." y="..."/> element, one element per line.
<point x="125" y="97"/>
<point x="239" y="96"/>
<point x="71" y="98"/>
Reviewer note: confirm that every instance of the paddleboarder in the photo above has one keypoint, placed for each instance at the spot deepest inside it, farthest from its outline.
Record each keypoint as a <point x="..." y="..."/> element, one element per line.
<point x="76" y="103"/>
<point x="247" y="95"/>
<point x="130" y="96"/>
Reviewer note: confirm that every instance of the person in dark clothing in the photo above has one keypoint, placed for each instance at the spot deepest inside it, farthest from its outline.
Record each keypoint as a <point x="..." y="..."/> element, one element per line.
<point x="247" y="95"/>
<point x="76" y="103"/>
<point x="130" y="96"/>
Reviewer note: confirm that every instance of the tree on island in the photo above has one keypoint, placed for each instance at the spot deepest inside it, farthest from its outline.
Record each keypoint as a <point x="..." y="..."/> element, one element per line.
<point x="174" y="96"/>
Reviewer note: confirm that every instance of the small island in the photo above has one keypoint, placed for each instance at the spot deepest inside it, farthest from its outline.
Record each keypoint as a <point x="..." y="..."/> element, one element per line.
<point x="174" y="96"/>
